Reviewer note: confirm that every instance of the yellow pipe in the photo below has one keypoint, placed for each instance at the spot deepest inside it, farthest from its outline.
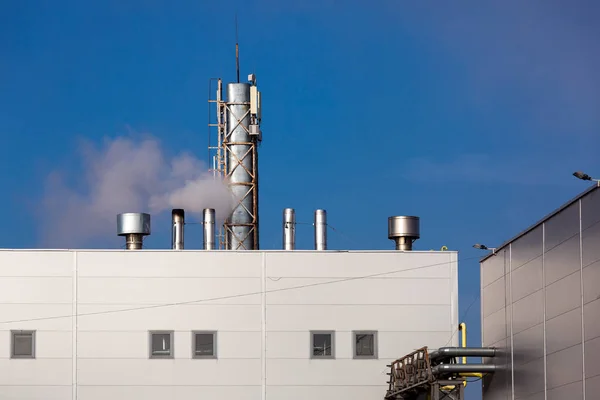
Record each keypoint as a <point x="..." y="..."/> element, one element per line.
<point x="463" y="328"/>
<point x="471" y="374"/>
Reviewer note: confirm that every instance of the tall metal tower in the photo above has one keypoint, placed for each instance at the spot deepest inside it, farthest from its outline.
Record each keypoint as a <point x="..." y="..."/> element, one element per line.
<point x="234" y="159"/>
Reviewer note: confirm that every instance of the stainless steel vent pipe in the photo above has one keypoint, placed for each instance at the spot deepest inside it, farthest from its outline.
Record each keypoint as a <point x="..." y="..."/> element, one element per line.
<point x="320" y="230"/>
<point x="134" y="226"/>
<point x="289" y="229"/>
<point x="403" y="231"/>
<point x="208" y="222"/>
<point x="177" y="227"/>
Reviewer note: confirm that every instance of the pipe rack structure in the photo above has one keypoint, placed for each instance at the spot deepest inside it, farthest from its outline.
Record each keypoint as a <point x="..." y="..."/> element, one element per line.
<point x="435" y="374"/>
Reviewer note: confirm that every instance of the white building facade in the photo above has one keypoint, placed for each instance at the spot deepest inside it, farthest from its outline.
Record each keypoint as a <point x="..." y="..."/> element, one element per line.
<point x="247" y="325"/>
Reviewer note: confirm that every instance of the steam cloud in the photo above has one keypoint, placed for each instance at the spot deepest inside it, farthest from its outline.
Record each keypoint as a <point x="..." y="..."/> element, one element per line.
<point x="126" y="176"/>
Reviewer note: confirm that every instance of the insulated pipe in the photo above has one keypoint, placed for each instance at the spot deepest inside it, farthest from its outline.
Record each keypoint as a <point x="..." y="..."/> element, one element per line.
<point x="208" y="222"/>
<point x="320" y="230"/>
<point x="177" y="226"/>
<point x="461" y="368"/>
<point x="289" y="229"/>
<point x="450" y="352"/>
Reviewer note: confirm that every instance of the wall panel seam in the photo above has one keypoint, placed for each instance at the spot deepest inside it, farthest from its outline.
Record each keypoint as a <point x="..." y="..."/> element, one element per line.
<point x="582" y="298"/>
<point x="544" y="294"/>
<point x="74" y="319"/>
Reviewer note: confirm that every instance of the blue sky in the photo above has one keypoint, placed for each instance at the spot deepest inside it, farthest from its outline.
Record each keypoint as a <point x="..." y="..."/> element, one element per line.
<point x="471" y="116"/>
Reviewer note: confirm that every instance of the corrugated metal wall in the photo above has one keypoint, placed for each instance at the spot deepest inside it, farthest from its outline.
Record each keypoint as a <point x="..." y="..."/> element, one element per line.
<point x="541" y="304"/>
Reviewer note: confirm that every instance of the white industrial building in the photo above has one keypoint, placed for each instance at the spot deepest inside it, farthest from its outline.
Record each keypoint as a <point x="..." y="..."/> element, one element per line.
<point x="196" y="324"/>
<point x="231" y="321"/>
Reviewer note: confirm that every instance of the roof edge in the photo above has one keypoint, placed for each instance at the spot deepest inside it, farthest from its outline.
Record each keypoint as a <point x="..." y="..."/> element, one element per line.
<point x="544" y="219"/>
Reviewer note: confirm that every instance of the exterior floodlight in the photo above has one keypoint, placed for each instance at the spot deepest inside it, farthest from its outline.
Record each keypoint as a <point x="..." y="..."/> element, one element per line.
<point x="484" y="247"/>
<point x="584" y="177"/>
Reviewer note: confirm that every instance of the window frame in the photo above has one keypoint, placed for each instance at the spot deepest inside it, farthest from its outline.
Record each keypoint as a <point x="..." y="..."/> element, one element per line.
<point x="312" y="345"/>
<point x="375" y="355"/>
<point x="14" y="332"/>
<point x="204" y="357"/>
<point x="171" y="354"/>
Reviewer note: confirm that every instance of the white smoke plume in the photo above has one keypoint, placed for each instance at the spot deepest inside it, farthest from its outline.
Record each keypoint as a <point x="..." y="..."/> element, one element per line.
<point x="126" y="176"/>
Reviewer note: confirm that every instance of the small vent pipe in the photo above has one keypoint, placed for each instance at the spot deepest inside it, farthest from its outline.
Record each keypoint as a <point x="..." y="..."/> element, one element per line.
<point x="177" y="226"/>
<point x="320" y="230"/>
<point x="289" y="229"/>
<point x="403" y="231"/>
<point x="134" y="226"/>
<point x="208" y="222"/>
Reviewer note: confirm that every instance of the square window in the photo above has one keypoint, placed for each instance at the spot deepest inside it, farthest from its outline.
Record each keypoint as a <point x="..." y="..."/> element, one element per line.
<point x="365" y="344"/>
<point x="322" y="344"/>
<point x="22" y="344"/>
<point x="205" y="344"/>
<point x="161" y="344"/>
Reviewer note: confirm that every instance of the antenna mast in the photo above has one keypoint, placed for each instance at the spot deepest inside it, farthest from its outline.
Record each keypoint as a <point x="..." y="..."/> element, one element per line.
<point x="237" y="51"/>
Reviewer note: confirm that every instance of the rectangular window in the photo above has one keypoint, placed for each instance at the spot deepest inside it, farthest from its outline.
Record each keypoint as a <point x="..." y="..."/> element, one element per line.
<point x="161" y="344"/>
<point x="365" y="344"/>
<point x="22" y="344"/>
<point x="204" y="344"/>
<point x="322" y="344"/>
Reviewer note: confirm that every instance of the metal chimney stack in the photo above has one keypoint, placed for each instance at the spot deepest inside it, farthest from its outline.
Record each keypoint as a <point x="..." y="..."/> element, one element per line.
<point x="403" y="231"/>
<point x="235" y="158"/>
<point x="177" y="226"/>
<point x="320" y="230"/>
<point x="289" y="229"/>
<point x="240" y="144"/>
<point x="134" y="226"/>
<point x="208" y="222"/>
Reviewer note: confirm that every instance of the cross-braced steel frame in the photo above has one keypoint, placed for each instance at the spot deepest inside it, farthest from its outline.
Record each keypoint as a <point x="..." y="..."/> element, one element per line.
<point x="234" y="159"/>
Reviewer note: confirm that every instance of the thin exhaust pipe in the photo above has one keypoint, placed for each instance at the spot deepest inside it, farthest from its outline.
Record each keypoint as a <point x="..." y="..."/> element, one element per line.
<point x="320" y="230"/>
<point x="177" y="226"/>
<point x="208" y="222"/>
<point x="289" y="229"/>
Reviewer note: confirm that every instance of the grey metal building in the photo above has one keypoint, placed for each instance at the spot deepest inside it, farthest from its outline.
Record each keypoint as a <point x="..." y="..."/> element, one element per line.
<point x="540" y="302"/>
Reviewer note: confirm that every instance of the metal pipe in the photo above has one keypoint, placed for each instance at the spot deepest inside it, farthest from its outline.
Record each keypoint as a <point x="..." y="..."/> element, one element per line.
<point x="450" y="352"/>
<point x="404" y="244"/>
<point x="208" y="222"/>
<point x="463" y="328"/>
<point x="289" y="229"/>
<point x="177" y="228"/>
<point x="320" y="230"/>
<point x="462" y="368"/>
<point x="134" y="241"/>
